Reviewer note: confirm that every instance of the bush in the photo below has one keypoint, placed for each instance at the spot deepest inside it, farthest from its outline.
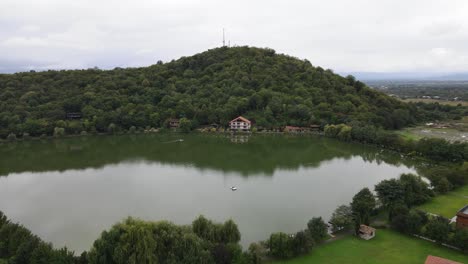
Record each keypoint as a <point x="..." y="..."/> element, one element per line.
<point x="280" y="245"/>
<point x="460" y="239"/>
<point x="185" y="125"/>
<point x="317" y="229"/>
<point x="11" y="137"/>
<point x="59" y="132"/>
<point x="438" y="229"/>
<point x="112" y="128"/>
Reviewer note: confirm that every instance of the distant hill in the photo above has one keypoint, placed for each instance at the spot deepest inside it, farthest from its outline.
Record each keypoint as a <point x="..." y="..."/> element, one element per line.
<point x="211" y="87"/>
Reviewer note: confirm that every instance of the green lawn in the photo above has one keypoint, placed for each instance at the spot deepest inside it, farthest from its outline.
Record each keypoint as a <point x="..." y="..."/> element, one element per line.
<point x="387" y="247"/>
<point x="448" y="204"/>
<point x="408" y="135"/>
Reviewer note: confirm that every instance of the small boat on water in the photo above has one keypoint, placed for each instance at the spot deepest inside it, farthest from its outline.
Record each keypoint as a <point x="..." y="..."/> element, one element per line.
<point x="233" y="188"/>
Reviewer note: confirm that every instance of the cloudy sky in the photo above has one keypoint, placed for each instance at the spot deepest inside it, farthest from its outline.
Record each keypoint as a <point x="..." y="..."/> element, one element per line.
<point x="345" y="35"/>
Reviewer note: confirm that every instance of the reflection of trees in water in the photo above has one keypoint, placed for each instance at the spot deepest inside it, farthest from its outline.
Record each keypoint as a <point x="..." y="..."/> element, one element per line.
<point x="263" y="154"/>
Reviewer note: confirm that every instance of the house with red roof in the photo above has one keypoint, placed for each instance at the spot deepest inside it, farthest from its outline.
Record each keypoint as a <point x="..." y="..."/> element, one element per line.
<point x="240" y="124"/>
<point x="438" y="260"/>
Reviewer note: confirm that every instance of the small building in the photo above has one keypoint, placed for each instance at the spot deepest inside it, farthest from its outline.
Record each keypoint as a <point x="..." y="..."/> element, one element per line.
<point x="294" y="129"/>
<point x="366" y="232"/>
<point x="240" y="123"/>
<point x="462" y="217"/>
<point x="174" y="123"/>
<point x="74" y="115"/>
<point x="314" y="127"/>
<point x="438" y="260"/>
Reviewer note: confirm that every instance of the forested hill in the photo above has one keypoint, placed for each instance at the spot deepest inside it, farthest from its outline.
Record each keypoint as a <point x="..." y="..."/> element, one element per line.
<point x="211" y="87"/>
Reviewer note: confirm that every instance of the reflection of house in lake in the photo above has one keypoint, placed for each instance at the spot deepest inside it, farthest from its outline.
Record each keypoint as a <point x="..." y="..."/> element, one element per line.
<point x="462" y="217"/>
<point x="239" y="138"/>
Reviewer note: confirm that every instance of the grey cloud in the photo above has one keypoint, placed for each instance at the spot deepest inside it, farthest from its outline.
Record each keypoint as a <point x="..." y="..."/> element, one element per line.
<point x="360" y="35"/>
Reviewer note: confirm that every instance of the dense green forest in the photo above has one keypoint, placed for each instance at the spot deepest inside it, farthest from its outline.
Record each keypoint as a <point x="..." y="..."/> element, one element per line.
<point x="211" y="87"/>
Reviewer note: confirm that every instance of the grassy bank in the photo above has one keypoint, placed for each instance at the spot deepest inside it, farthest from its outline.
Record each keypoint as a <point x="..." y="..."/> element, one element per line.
<point x="447" y="204"/>
<point x="387" y="247"/>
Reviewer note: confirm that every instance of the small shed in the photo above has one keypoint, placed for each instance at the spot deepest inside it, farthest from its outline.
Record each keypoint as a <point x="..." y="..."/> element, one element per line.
<point x="438" y="260"/>
<point x="366" y="232"/>
<point x="174" y="123"/>
<point x="462" y="217"/>
<point x="314" y="127"/>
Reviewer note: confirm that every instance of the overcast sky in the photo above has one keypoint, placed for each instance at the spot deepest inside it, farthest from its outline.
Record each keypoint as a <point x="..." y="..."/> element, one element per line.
<point x="346" y="35"/>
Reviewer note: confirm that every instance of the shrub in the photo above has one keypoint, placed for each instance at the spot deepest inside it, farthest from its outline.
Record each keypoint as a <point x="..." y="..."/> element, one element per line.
<point x="11" y="137"/>
<point x="59" y="132"/>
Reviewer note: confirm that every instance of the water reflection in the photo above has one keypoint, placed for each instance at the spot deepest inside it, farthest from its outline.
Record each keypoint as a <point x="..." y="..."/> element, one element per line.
<point x="68" y="191"/>
<point x="261" y="154"/>
<point x="236" y="138"/>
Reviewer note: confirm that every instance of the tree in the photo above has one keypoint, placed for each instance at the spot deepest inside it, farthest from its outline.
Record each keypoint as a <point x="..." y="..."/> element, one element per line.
<point x="203" y="228"/>
<point x="280" y="245"/>
<point x="112" y="128"/>
<point x="362" y="205"/>
<point x="317" y="228"/>
<point x="415" y="190"/>
<point x="390" y="194"/>
<point x="302" y="243"/>
<point x="400" y="218"/>
<point x="460" y="239"/>
<point x="416" y="220"/>
<point x="257" y="253"/>
<point x="59" y="132"/>
<point x="185" y="125"/>
<point x="438" y="229"/>
<point x="230" y="232"/>
<point x="11" y="137"/>
<point x="342" y="218"/>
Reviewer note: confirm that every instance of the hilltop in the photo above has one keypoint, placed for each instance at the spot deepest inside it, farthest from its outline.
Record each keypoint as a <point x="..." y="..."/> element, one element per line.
<point x="210" y="87"/>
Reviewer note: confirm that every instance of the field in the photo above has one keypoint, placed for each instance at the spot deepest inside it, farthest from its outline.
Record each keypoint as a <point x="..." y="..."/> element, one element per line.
<point x="443" y="102"/>
<point x="457" y="131"/>
<point x="448" y="204"/>
<point x="387" y="247"/>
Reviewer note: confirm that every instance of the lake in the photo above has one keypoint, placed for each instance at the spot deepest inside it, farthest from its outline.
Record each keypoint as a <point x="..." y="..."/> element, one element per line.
<point x="68" y="191"/>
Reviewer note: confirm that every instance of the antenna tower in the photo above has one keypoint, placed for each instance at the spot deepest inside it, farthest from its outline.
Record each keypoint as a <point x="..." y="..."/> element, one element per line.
<point x="224" y="41"/>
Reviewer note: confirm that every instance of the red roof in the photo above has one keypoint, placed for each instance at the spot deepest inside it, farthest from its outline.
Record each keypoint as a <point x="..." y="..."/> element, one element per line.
<point x="436" y="260"/>
<point x="241" y="118"/>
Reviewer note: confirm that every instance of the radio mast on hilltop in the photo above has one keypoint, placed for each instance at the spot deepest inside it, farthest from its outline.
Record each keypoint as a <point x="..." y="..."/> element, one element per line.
<point x="224" y="41"/>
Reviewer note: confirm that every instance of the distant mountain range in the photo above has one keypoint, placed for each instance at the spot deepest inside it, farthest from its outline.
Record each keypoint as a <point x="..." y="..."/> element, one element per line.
<point x="460" y="76"/>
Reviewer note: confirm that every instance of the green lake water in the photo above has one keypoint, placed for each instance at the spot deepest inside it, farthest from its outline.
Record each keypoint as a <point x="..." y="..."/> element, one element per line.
<point x="68" y="191"/>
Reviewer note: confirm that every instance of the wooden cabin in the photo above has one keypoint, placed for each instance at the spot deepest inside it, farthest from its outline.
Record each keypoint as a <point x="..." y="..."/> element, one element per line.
<point x="240" y="124"/>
